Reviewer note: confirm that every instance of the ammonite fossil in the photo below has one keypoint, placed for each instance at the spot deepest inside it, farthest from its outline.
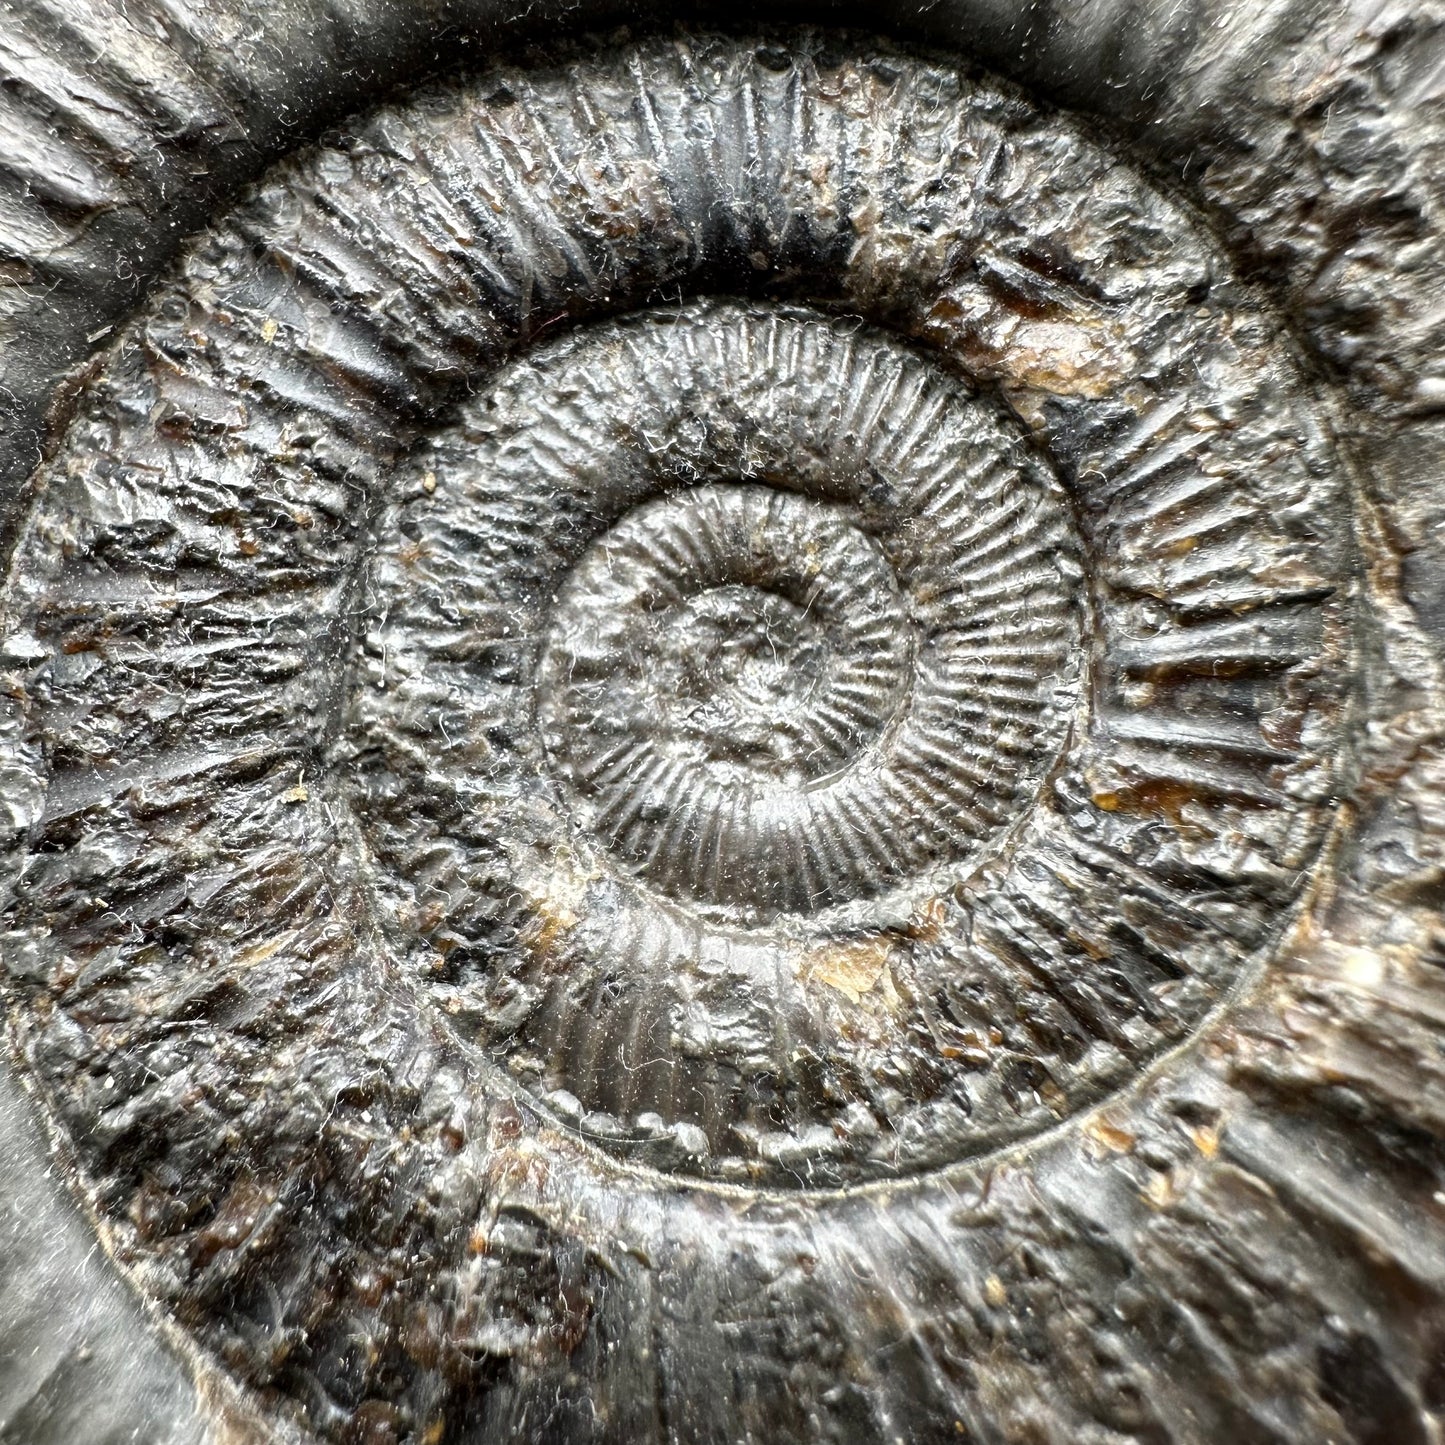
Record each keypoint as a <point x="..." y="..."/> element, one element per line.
<point x="713" y="736"/>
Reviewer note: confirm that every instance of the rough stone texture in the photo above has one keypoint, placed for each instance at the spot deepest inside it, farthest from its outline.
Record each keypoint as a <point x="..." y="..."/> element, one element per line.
<point x="286" y="1117"/>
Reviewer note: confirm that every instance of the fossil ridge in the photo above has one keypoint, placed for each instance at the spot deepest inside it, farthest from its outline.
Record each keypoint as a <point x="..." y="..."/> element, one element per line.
<point x="439" y="1080"/>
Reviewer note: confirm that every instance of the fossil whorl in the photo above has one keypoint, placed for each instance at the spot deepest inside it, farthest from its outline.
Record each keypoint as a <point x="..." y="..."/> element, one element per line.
<point x="637" y="655"/>
<point x="773" y="627"/>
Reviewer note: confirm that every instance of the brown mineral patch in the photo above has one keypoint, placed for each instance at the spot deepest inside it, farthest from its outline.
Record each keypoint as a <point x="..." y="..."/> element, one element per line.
<point x="1162" y="1190"/>
<point x="1064" y="359"/>
<point x="550" y="921"/>
<point x="1163" y="796"/>
<point x="260" y="952"/>
<point x="1106" y="1137"/>
<point x="237" y="1219"/>
<point x="1206" y="1140"/>
<point x="1075" y="354"/>
<point x="973" y="1046"/>
<point x="852" y="969"/>
<point x="557" y="908"/>
<point x="927" y="924"/>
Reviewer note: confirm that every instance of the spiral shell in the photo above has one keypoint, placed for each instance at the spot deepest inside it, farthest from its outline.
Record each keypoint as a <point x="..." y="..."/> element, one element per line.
<point x="774" y="629"/>
<point x="642" y="639"/>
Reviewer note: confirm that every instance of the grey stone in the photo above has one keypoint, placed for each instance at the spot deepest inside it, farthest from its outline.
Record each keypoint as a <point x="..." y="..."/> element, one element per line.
<point x="515" y="929"/>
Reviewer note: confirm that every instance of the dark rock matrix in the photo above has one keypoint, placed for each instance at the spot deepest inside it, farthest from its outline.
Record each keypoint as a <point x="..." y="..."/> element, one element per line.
<point x="722" y="736"/>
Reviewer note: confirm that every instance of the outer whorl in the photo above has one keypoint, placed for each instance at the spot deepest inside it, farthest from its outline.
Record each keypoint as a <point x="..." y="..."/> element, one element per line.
<point x="669" y="703"/>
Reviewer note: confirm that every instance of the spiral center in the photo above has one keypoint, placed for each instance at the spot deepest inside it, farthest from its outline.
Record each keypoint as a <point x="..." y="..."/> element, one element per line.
<point x="711" y="658"/>
<point x="736" y="667"/>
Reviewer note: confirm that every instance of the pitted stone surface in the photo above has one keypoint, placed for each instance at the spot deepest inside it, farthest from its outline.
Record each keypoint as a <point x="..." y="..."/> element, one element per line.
<point x="378" y="997"/>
